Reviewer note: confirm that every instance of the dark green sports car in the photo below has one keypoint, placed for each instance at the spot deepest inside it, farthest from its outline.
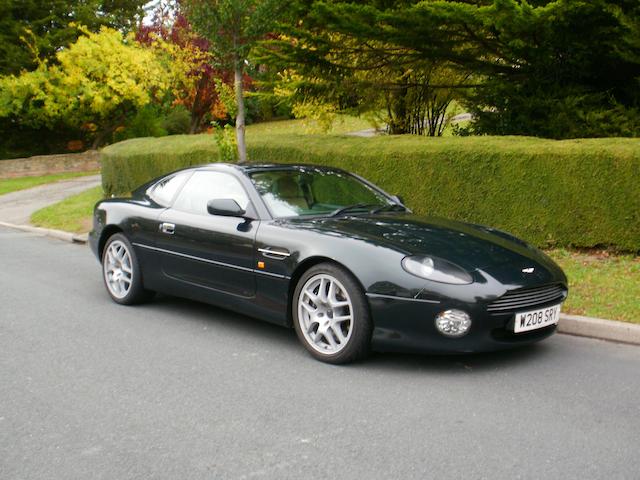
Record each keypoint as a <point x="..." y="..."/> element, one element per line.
<point x="323" y="250"/>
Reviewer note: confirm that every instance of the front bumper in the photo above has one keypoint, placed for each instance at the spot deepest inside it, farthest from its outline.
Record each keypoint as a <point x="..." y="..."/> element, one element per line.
<point x="408" y="325"/>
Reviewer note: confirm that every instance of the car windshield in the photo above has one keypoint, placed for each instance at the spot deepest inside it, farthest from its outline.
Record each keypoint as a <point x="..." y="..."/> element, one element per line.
<point x="313" y="191"/>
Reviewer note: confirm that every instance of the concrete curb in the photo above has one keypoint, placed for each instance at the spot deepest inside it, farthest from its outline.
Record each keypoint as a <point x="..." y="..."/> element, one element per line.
<point x="611" y="330"/>
<point x="59" y="234"/>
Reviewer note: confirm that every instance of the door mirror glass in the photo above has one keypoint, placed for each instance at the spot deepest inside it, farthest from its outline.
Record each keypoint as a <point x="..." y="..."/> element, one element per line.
<point x="226" y="207"/>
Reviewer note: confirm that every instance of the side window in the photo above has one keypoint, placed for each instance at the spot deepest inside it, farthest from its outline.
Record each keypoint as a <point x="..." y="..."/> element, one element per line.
<point x="164" y="191"/>
<point x="204" y="186"/>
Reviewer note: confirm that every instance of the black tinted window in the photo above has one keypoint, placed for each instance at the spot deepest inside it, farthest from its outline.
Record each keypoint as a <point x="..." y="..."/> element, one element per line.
<point x="204" y="186"/>
<point x="164" y="191"/>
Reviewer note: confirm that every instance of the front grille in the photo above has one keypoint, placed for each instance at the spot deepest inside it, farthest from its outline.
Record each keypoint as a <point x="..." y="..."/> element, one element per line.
<point x="516" y="300"/>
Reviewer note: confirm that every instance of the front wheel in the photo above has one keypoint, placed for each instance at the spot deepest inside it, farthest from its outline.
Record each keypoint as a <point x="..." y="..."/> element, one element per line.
<point x="331" y="315"/>
<point x="121" y="272"/>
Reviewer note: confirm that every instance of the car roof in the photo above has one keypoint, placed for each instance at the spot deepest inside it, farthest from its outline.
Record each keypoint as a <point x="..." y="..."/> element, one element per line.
<point x="248" y="168"/>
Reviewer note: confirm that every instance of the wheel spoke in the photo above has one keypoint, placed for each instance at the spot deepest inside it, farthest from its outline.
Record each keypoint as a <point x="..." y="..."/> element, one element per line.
<point x="332" y="342"/>
<point x="322" y="291"/>
<point x="337" y="331"/>
<point x="340" y="304"/>
<point x="331" y="294"/>
<point x="311" y="296"/>
<point x="308" y="307"/>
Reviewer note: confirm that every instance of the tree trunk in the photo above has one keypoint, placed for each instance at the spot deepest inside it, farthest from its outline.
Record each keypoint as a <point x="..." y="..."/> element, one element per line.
<point x="98" y="140"/>
<point x="197" y="110"/>
<point x="399" y="123"/>
<point x="242" y="146"/>
<point x="105" y="130"/>
<point x="101" y="136"/>
<point x="194" y="124"/>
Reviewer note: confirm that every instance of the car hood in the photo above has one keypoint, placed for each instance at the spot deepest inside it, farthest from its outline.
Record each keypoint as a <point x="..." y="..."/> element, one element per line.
<point x="471" y="247"/>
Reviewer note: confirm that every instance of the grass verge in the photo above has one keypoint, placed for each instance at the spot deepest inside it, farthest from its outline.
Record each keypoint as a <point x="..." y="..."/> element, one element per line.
<point x="601" y="285"/>
<point x="72" y="214"/>
<point x="9" y="185"/>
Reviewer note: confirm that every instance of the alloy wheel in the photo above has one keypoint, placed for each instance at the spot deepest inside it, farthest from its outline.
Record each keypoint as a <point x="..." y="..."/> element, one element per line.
<point x="118" y="269"/>
<point x="325" y="314"/>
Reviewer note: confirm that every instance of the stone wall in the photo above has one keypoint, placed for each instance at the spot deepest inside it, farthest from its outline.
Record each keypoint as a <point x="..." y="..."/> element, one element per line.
<point x="50" y="164"/>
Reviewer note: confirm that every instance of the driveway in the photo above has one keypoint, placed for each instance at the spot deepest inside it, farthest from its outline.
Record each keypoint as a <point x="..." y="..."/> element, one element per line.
<point x="180" y="390"/>
<point x="17" y="207"/>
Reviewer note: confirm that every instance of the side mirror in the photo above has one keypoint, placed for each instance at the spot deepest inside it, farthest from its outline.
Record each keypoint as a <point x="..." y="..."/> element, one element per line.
<point x="398" y="199"/>
<point x="226" y="207"/>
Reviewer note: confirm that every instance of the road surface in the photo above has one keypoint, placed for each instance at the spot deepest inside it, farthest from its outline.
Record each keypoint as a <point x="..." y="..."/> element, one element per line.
<point x="180" y="390"/>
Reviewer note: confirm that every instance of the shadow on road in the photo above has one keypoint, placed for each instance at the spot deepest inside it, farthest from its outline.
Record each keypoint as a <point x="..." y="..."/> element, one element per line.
<point x="493" y="361"/>
<point x="225" y="322"/>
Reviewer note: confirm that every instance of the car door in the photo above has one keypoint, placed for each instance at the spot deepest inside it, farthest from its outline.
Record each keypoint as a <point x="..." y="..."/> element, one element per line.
<point x="141" y="226"/>
<point x="203" y="250"/>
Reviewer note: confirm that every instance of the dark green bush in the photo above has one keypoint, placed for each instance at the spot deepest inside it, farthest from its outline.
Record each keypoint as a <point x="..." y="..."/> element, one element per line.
<point x="146" y="122"/>
<point x="572" y="193"/>
<point x="551" y="112"/>
<point x="177" y="120"/>
<point x="19" y="141"/>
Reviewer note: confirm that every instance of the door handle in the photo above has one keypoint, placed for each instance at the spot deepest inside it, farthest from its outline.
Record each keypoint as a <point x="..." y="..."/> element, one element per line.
<point x="168" y="228"/>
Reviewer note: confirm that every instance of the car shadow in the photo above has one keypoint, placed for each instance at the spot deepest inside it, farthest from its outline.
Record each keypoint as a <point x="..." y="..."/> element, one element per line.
<point x="218" y="317"/>
<point x="460" y="363"/>
<point x="284" y="339"/>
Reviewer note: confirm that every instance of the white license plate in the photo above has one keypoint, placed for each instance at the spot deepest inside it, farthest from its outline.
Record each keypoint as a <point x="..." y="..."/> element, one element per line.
<point x="534" y="319"/>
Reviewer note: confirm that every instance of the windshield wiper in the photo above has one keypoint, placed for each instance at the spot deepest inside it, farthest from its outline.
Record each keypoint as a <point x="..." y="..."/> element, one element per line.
<point x="390" y="208"/>
<point x="348" y="208"/>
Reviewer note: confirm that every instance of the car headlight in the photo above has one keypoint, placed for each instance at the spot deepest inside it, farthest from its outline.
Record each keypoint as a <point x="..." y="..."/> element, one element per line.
<point x="436" y="269"/>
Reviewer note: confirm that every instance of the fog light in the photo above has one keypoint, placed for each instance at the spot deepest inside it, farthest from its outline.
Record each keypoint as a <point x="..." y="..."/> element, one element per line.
<point x="453" y="323"/>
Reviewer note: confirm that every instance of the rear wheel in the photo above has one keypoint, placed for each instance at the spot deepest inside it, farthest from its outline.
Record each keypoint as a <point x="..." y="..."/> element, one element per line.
<point x="331" y="315"/>
<point x="121" y="272"/>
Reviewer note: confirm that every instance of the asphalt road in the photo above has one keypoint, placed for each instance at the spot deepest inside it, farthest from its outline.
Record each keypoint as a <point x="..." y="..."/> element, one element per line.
<point x="179" y="390"/>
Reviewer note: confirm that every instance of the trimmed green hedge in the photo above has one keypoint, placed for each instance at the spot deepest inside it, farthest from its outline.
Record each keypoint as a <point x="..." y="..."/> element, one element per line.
<point x="572" y="193"/>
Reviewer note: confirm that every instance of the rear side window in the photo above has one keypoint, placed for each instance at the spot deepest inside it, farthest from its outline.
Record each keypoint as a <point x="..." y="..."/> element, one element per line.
<point x="206" y="185"/>
<point x="163" y="192"/>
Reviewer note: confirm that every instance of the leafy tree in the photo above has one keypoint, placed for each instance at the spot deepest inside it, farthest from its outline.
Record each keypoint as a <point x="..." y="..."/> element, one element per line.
<point x="233" y="27"/>
<point x="562" y="69"/>
<point x="552" y="68"/>
<point x="341" y="59"/>
<point x="98" y="82"/>
<point x="32" y="31"/>
<point x="192" y="65"/>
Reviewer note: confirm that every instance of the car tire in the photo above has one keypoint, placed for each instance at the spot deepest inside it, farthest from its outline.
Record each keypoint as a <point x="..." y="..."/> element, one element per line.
<point x="331" y="315"/>
<point x="121" y="272"/>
